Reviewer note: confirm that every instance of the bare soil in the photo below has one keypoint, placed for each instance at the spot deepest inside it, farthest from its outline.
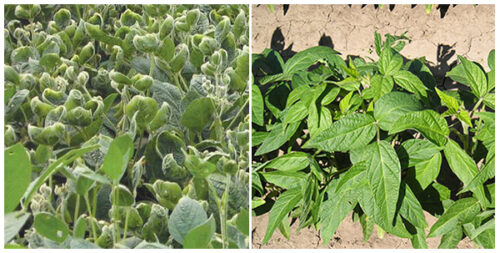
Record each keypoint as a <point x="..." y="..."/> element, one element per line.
<point x="439" y="36"/>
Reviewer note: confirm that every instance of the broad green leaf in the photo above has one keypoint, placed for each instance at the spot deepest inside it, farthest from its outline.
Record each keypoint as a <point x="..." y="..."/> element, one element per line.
<point x="389" y="62"/>
<point x="290" y="162"/>
<point x="330" y="96"/>
<point x="53" y="168"/>
<point x="393" y="105"/>
<point x="418" y="239"/>
<point x="429" y="123"/>
<point x="427" y="171"/>
<point x="319" y="119"/>
<point x="298" y="93"/>
<point x="13" y="222"/>
<point x="484" y="174"/>
<point x="296" y="112"/>
<point x="198" y="114"/>
<point x="334" y="210"/>
<point x="276" y="138"/>
<point x="80" y="227"/>
<point x="304" y="59"/>
<point x="367" y="226"/>
<point x="200" y="236"/>
<point x="122" y="195"/>
<point x="489" y="100"/>
<point x="345" y="103"/>
<point x="243" y="222"/>
<point x="450" y="240"/>
<point x="411" y="209"/>
<point x="457" y="74"/>
<point x="379" y="86"/>
<point x="284" y="227"/>
<point x="283" y="205"/>
<point x="51" y="227"/>
<point x="475" y="77"/>
<point x="352" y="176"/>
<point x="414" y="151"/>
<point x="257" y="106"/>
<point x="187" y="214"/>
<point x="384" y="176"/>
<point x="486" y="226"/>
<point x="459" y="213"/>
<point x="410" y="82"/>
<point x="256" y="202"/>
<point x="116" y="160"/>
<point x="491" y="60"/>
<point x="463" y="166"/>
<point x="350" y="132"/>
<point x="17" y="175"/>
<point x="285" y="179"/>
<point x="449" y="101"/>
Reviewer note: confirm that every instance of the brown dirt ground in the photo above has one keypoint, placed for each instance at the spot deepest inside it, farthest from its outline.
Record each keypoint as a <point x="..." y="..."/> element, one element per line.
<point x="464" y="30"/>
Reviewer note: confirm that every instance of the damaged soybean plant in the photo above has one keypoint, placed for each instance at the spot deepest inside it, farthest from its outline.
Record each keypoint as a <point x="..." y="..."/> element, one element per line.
<point x="380" y="140"/>
<point x="126" y="126"/>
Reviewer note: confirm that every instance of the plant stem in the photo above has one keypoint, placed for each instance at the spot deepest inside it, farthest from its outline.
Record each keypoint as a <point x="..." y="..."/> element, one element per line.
<point x="153" y="64"/>
<point x="89" y="209"/>
<point x="77" y="208"/>
<point x="237" y="115"/>
<point x="116" y="217"/>
<point x="126" y="224"/>
<point x="223" y="212"/>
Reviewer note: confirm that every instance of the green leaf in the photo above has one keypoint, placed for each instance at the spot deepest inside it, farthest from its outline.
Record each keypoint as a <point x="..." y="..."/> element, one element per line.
<point x="463" y="166"/>
<point x="393" y="105"/>
<point x="284" y="227"/>
<point x="13" y="222"/>
<point x="427" y="171"/>
<point x="379" y="86"/>
<point x="491" y="60"/>
<point x="329" y="97"/>
<point x="451" y="239"/>
<point x="17" y="175"/>
<point x="457" y="74"/>
<point x="116" y="160"/>
<point x="285" y="179"/>
<point x="123" y="195"/>
<point x="428" y="122"/>
<point x="389" y="62"/>
<point x="319" y="119"/>
<point x="459" y="213"/>
<point x="350" y="132"/>
<point x="290" y="162"/>
<point x="296" y="112"/>
<point x="243" y="221"/>
<point x="418" y="239"/>
<point x="80" y="227"/>
<point x="410" y="82"/>
<point x="304" y="59"/>
<point x="475" y="77"/>
<point x="187" y="214"/>
<point x="411" y="209"/>
<point x="200" y="236"/>
<point x="384" y="176"/>
<point x="283" y="205"/>
<point x="367" y="226"/>
<point x="416" y="151"/>
<point x="198" y="114"/>
<point x="51" y="227"/>
<point x="484" y="174"/>
<point x="449" y="101"/>
<point x="276" y="138"/>
<point x="257" y="106"/>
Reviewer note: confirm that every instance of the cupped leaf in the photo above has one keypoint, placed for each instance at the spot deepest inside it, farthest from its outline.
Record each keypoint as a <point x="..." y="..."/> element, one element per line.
<point x="389" y="62"/>
<point x="200" y="236"/>
<point x="350" y="132"/>
<point x="187" y="215"/>
<point x="429" y="123"/>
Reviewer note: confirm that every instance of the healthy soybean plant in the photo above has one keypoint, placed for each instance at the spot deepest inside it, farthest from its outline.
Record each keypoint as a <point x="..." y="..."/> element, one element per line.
<point x="378" y="139"/>
<point x="126" y="126"/>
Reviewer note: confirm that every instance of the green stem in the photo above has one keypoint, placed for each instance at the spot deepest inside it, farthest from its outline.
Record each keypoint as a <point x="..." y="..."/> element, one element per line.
<point x="153" y="64"/>
<point x="89" y="209"/>
<point x="223" y="212"/>
<point x="237" y="115"/>
<point x="77" y="208"/>
<point x="116" y="217"/>
<point x="126" y="224"/>
<point x="475" y="107"/>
